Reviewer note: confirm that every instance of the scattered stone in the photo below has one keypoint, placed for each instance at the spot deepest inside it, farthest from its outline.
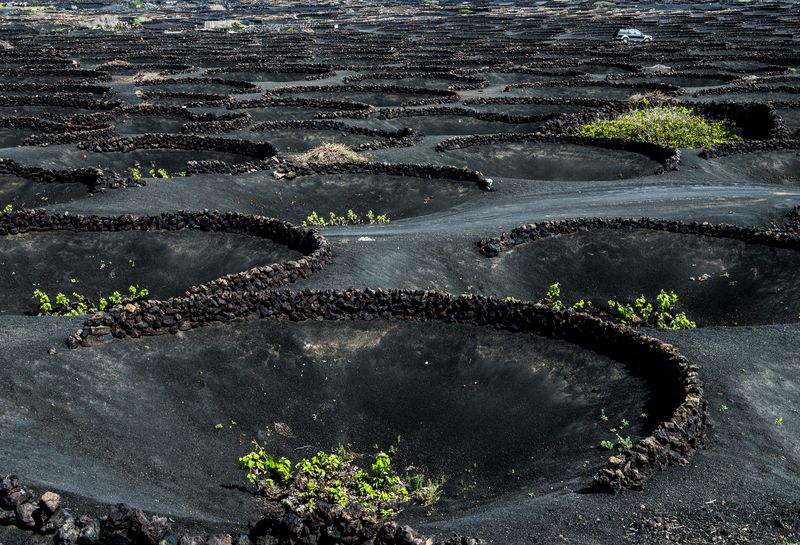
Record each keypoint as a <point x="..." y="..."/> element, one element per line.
<point x="51" y="501"/>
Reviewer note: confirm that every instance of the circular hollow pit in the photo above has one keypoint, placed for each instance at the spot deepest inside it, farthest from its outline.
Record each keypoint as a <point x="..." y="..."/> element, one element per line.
<point x="469" y="403"/>
<point x="142" y="124"/>
<point x="168" y="254"/>
<point x="282" y="113"/>
<point x="24" y="193"/>
<point x="432" y="80"/>
<point x="525" y="109"/>
<point x="378" y="99"/>
<point x="289" y="139"/>
<point x="199" y="86"/>
<point x="67" y="157"/>
<point x="285" y="109"/>
<point x="11" y="138"/>
<point x="96" y="264"/>
<point x="607" y="93"/>
<point x="187" y="100"/>
<point x="603" y="69"/>
<point x="261" y="74"/>
<point x="376" y="95"/>
<point x="551" y="161"/>
<point x="498" y="77"/>
<point x="159" y="151"/>
<point x="397" y="196"/>
<point x="774" y="167"/>
<point x="685" y="81"/>
<point x="735" y="283"/>
<point x="264" y="76"/>
<point x="465" y="123"/>
<point x="786" y="94"/>
<point x="40" y="111"/>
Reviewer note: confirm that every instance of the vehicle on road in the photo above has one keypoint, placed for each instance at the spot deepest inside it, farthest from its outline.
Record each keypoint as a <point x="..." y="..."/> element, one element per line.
<point x="627" y="35"/>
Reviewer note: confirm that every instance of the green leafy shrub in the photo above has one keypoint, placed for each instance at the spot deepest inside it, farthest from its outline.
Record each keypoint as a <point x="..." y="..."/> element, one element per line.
<point x="158" y="173"/>
<point x="7" y="209"/>
<point x="334" y="478"/>
<point x="676" y="126"/>
<point x="135" y="292"/>
<point x="553" y="298"/>
<point x="155" y="172"/>
<point x="660" y="315"/>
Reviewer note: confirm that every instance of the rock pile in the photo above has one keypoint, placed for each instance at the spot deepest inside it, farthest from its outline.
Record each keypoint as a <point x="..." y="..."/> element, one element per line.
<point x="328" y="525"/>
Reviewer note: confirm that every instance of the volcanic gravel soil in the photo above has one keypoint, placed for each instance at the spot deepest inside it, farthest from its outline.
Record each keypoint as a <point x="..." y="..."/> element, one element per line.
<point x="398" y="196"/>
<point x="416" y="333"/>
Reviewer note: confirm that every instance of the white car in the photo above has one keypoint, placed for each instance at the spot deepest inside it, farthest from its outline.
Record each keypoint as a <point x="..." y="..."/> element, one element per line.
<point x="627" y="35"/>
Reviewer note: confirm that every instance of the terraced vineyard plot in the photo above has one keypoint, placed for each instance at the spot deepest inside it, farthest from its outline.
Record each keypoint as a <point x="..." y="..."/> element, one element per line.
<point x="30" y="194"/>
<point x="309" y="274"/>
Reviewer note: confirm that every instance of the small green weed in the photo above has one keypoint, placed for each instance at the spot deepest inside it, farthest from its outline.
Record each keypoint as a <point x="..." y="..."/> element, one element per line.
<point x="79" y="304"/>
<point x="660" y="315"/>
<point x="619" y="442"/>
<point x="155" y="172"/>
<point x="351" y="218"/>
<point x="553" y="296"/>
<point x="553" y="299"/>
